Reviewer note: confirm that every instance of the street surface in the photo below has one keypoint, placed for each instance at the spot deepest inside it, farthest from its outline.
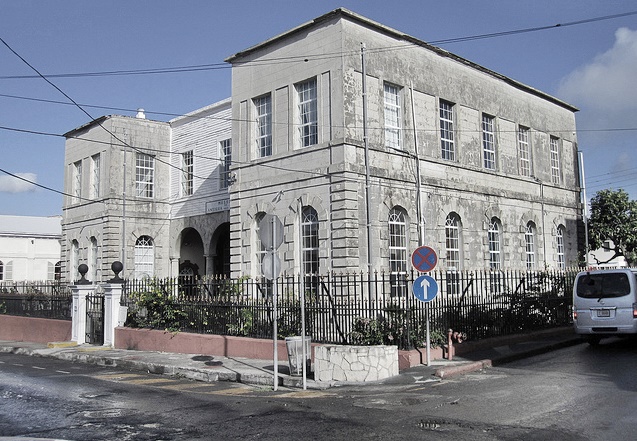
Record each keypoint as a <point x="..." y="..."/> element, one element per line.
<point x="576" y="393"/>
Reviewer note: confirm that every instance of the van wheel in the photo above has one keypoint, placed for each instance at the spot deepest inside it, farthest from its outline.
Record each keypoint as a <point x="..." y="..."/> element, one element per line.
<point x="593" y="340"/>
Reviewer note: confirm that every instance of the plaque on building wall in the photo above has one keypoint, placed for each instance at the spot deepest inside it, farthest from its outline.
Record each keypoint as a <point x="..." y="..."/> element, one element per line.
<point x="217" y="206"/>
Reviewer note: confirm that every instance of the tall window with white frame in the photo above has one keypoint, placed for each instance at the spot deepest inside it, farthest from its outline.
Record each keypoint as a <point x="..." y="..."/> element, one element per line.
<point x="398" y="252"/>
<point x="93" y="255"/>
<point x="524" y="152"/>
<point x="393" y="116"/>
<point x="495" y="244"/>
<point x="453" y="248"/>
<point x="447" y="142"/>
<point x="75" y="260"/>
<point x="555" y="160"/>
<point x="144" y="175"/>
<point x="144" y="257"/>
<point x="77" y="182"/>
<point x="310" y="248"/>
<point x="226" y="161"/>
<point x="529" y="246"/>
<point x="561" y="255"/>
<point x="263" y="109"/>
<point x="95" y="176"/>
<point x="187" y="173"/>
<point x="1" y="270"/>
<point x="308" y="112"/>
<point x="488" y="141"/>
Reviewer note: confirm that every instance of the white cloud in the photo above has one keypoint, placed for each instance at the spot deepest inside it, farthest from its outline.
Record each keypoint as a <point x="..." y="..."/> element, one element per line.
<point x="607" y="85"/>
<point x="10" y="184"/>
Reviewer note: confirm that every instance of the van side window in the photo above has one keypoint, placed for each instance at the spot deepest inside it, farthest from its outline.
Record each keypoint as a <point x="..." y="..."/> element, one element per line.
<point x="598" y="286"/>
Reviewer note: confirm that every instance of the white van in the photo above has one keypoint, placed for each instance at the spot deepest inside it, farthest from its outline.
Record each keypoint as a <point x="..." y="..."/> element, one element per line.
<point x="605" y="304"/>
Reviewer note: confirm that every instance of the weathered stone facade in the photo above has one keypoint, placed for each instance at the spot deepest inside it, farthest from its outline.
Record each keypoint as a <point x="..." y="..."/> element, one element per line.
<point x="333" y="176"/>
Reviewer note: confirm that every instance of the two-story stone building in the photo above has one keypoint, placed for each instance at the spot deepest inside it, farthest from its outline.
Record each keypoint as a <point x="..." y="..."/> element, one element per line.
<point x="365" y="143"/>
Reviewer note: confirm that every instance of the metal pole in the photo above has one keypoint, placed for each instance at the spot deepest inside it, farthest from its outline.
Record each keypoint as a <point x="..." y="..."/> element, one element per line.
<point x="302" y="294"/>
<point x="274" y="308"/>
<point x="368" y="201"/>
<point x="585" y="208"/>
<point x="421" y="226"/>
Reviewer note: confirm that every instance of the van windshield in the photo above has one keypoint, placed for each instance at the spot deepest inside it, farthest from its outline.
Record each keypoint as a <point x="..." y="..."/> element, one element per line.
<point x="598" y="286"/>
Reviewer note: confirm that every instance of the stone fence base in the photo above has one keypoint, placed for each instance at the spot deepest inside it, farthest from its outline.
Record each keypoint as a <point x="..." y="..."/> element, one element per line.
<point x="355" y="363"/>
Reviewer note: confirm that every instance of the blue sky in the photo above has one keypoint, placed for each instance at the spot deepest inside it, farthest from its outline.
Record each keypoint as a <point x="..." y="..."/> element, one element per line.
<point x="591" y="65"/>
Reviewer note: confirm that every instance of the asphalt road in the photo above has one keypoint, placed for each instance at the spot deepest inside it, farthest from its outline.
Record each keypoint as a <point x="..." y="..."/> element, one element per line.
<point x="576" y="393"/>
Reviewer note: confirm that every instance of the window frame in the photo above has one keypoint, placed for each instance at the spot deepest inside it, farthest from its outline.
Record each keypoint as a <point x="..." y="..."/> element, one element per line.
<point x="489" y="151"/>
<point x="446" y="115"/>
<point x="96" y="175"/>
<point x="494" y="238"/>
<point x="560" y="247"/>
<point x="453" y="237"/>
<point x="225" y="148"/>
<point x="144" y="175"/>
<point x="530" y="234"/>
<point x="555" y="160"/>
<point x="263" y="134"/>
<point x="392" y="115"/>
<point x="77" y="181"/>
<point x="525" y="166"/>
<point x="144" y="257"/>
<point x="187" y="173"/>
<point x="307" y="96"/>
<point x="397" y="228"/>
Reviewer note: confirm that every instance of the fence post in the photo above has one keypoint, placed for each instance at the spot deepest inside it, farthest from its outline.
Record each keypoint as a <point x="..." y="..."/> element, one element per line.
<point x="112" y="297"/>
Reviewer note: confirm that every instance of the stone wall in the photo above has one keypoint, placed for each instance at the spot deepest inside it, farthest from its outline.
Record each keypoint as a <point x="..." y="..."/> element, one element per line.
<point x="355" y="363"/>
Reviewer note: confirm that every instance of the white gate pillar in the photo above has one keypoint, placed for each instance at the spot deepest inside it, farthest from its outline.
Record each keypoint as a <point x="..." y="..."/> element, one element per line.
<point x="113" y="316"/>
<point x="78" y="330"/>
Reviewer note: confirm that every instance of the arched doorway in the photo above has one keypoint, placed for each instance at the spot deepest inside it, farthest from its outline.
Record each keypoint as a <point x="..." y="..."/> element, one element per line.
<point x="191" y="258"/>
<point x="220" y="243"/>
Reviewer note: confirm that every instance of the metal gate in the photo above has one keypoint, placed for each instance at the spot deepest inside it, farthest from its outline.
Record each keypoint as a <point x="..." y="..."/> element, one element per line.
<point x="95" y="319"/>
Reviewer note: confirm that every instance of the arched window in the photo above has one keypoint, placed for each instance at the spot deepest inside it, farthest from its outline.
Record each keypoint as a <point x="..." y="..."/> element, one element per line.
<point x="92" y="259"/>
<point x="453" y="242"/>
<point x="529" y="246"/>
<point x="559" y="239"/>
<point x="398" y="251"/>
<point x="260" y="252"/>
<point x="495" y="244"/>
<point x="310" y="247"/>
<point x="75" y="260"/>
<point x="144" y="257"/>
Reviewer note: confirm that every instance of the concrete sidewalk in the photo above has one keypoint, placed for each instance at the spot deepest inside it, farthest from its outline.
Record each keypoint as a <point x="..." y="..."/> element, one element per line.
<point x="208" y="368"/>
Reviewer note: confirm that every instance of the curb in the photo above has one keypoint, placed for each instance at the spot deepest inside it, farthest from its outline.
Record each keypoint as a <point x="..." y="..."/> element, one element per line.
<point x="451" y="371"/>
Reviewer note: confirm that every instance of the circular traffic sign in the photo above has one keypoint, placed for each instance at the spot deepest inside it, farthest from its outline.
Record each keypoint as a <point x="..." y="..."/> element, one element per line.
<point x="425" y="288"/>
<point x="424" y="259"/>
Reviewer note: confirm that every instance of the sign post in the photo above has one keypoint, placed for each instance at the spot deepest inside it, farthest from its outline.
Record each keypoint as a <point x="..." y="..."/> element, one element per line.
<point x="425" y="287"/>
<point x="271" y="235"/>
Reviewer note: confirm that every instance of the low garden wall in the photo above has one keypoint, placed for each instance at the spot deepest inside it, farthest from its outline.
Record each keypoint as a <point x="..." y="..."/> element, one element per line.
<point x="355" y="363"/>
<point x="35" y="330"/>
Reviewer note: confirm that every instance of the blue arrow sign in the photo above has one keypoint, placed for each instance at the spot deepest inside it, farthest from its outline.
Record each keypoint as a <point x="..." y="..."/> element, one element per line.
<point x="425" y="288"/>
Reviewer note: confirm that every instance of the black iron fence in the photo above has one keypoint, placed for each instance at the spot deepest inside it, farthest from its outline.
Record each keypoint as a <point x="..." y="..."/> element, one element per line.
<point x="47" y="299"/>
<point x="356" y="308"/>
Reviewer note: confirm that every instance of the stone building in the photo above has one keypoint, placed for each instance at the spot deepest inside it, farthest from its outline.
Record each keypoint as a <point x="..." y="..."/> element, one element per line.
<point x="150" y="194"/>
<point x="425" y="148"/>
<point x="363" y="141"/>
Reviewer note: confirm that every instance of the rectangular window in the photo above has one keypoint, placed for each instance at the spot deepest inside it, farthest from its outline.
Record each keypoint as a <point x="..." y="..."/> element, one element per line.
<point x="187" y="173"/>
<point x="77" y="181"/>
<point x="263" y="108"/>
<point x="447" y="144"/>
<point x="392" y="116"/>
<point x="555" y="160"/>
<point x="524" y="153"/>
<point x="308" y="112"/>
<point x="226" y="159"/>
<point x="495" y="260"/>
<point x="95" y="176"/>
<point x="144" y="175"/>
<point x="488" y="142"/>
<point x="529" y="241"/>
<point x="397" y="252"/>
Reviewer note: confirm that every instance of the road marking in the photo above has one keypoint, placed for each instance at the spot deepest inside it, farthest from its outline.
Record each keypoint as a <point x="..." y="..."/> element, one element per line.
<point x="62" y="372"/>
<point x="38" y="367"/>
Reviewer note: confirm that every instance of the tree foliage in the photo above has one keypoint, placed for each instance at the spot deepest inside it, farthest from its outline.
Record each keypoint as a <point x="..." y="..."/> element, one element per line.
<point x="613" y="217"/>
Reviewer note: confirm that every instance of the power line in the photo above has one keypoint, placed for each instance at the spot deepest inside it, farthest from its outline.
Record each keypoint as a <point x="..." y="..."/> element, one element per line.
<point x="305" y="58"/>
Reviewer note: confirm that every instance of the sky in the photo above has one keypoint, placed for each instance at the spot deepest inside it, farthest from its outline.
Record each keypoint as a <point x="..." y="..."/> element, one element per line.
<point x="588" y="62"/>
